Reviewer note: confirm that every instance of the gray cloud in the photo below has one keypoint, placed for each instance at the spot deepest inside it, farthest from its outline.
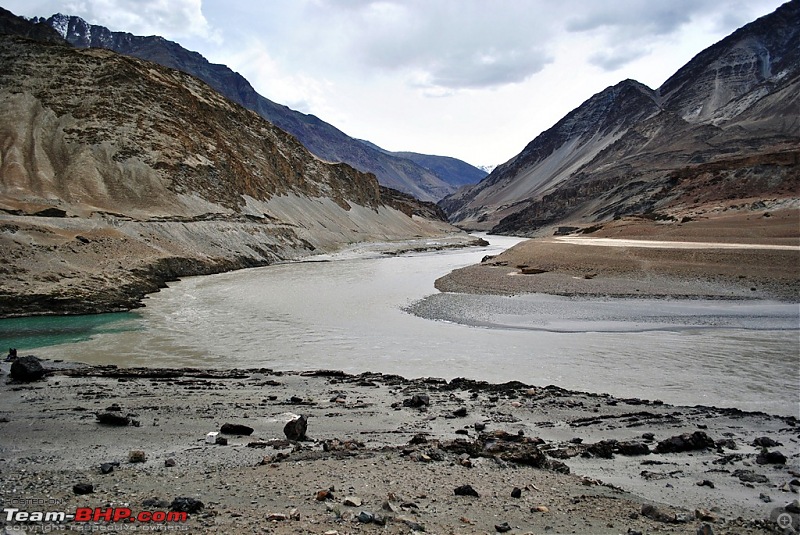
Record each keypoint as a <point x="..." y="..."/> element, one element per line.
<point x="445" y="44"/>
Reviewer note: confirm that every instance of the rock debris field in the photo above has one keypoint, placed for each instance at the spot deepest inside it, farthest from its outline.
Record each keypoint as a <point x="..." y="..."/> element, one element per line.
<point x="261" y="451"/>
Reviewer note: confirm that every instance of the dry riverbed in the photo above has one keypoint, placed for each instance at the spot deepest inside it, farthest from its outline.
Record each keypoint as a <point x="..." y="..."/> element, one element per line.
<point x="385" y="454"/>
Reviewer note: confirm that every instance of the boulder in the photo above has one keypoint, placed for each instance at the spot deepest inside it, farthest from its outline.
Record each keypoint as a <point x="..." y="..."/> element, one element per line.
<point x="771" y="457"/>
<point x="417" y="400"/>
<point x="112" y="418"/>
<point x="765" y="442"/>
<point x="296" y="429"/>
<point x="685" y="442"/>
<point x="26" y="369"/>
<point x="633" y="448"/>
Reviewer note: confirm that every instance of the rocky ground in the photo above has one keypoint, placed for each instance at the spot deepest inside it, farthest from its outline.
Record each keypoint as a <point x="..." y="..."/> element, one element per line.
<point x="384" y="454"/>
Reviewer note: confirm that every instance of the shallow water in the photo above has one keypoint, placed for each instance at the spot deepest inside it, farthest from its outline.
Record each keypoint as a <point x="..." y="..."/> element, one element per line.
<point x="351" y="313"/>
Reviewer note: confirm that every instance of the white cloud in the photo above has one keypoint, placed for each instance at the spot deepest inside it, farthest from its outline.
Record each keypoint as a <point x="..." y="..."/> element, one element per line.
<point x="295" y="89"/>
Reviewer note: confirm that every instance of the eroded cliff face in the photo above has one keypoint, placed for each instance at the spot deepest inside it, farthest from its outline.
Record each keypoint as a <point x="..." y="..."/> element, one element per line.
<point x="429" y="178"/>
<point x="117" y="175"/>
<point x="632" y="150"/>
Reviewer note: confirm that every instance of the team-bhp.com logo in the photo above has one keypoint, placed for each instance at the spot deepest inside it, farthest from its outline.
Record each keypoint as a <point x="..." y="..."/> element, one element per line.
<point x="96" y="514"/>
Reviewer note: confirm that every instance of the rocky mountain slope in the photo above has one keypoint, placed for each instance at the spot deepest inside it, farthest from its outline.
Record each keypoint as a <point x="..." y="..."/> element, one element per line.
<point x="397" y="171"/>
<point x="117" y="174"/>
<point x="723" y="132"/>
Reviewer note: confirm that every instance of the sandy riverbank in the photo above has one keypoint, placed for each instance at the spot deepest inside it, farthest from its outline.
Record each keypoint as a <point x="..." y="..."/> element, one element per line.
<point x="401" y="463"/>
<point x="734" y="257"/>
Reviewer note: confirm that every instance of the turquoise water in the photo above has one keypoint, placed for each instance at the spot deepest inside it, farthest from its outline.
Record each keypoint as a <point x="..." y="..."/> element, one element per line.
<point x="31" y="333"/>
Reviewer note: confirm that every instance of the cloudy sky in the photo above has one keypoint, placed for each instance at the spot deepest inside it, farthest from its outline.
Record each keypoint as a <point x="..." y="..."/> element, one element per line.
<point x="473" y="79"/>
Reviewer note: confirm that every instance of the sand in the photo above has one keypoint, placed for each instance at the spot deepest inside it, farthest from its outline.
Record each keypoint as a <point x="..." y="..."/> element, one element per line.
<point x="728" y="257"/>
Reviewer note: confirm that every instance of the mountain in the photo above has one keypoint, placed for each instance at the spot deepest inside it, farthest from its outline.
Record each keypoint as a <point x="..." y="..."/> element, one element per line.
<point x="118" y="174"/>
<point x="321" y="138"/>
<point x="453" y="171"/>
<point x="724" y="129"/>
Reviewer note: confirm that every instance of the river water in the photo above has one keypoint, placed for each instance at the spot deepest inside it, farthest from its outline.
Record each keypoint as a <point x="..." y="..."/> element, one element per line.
<point x="353" y="312"/>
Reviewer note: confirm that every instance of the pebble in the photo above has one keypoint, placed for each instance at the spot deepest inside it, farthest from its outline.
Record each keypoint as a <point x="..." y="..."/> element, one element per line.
<point x="136" y="456"/>
<point x="502" y="528"/>
<point x="83" y="488"/>
<point x="352" y="501"/>
<point x="466" y="490"/>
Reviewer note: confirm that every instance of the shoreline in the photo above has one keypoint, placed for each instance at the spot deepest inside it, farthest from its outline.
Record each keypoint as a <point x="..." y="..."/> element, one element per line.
<point x="369" y="441"/>
<point x="124" y="290"/>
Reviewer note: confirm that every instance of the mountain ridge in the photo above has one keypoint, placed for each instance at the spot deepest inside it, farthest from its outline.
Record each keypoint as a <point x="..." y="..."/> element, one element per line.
<point x="735" y="101"/>
<point x="324" y="140"/>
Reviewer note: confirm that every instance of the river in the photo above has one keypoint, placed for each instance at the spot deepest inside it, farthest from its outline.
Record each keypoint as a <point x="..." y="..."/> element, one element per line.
<point x="351" y="311"/>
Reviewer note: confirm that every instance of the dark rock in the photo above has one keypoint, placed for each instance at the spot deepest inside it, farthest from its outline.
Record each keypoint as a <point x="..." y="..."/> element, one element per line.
<point x="295" y="399"/>
<point x="83" y="488"/>
<point x="417" y="400"/>
<point x="365" y="517"/>
<point x="112" y="418"/>
<point x="236" y="429"/>
<point x="411" y="524"/>
<point x="221" y="441"/>
<point x="466" y="490"/>
<point x="648" y="436"/>
<point x="764" y="498"/>
<point x="706" y="483"/>
<point x="186" y="505"/>
<point x="479" y="426"/>
<point x="603" y="449"/>
<point x="169" y="463"/>
<point x="460" y="412"/>
<point x="771" y="457"/>
<point x="461" y="432"/>
<point x="793" y="507"/>
<point x="576" y="440"/>
<point x="502" y="528"/>
<point x="516" y="492"/>
<point x="296" y="429"/>
<point x="419" y="438"/>
<point x="26" y="369"/>
<point x="748" y="476"/>
<point x="632" y="448"/>
<point x="728" y="443"/>
<point x="685" y="442"/>
<point x="106" y="468"/>
<point x="765" y="442"/>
